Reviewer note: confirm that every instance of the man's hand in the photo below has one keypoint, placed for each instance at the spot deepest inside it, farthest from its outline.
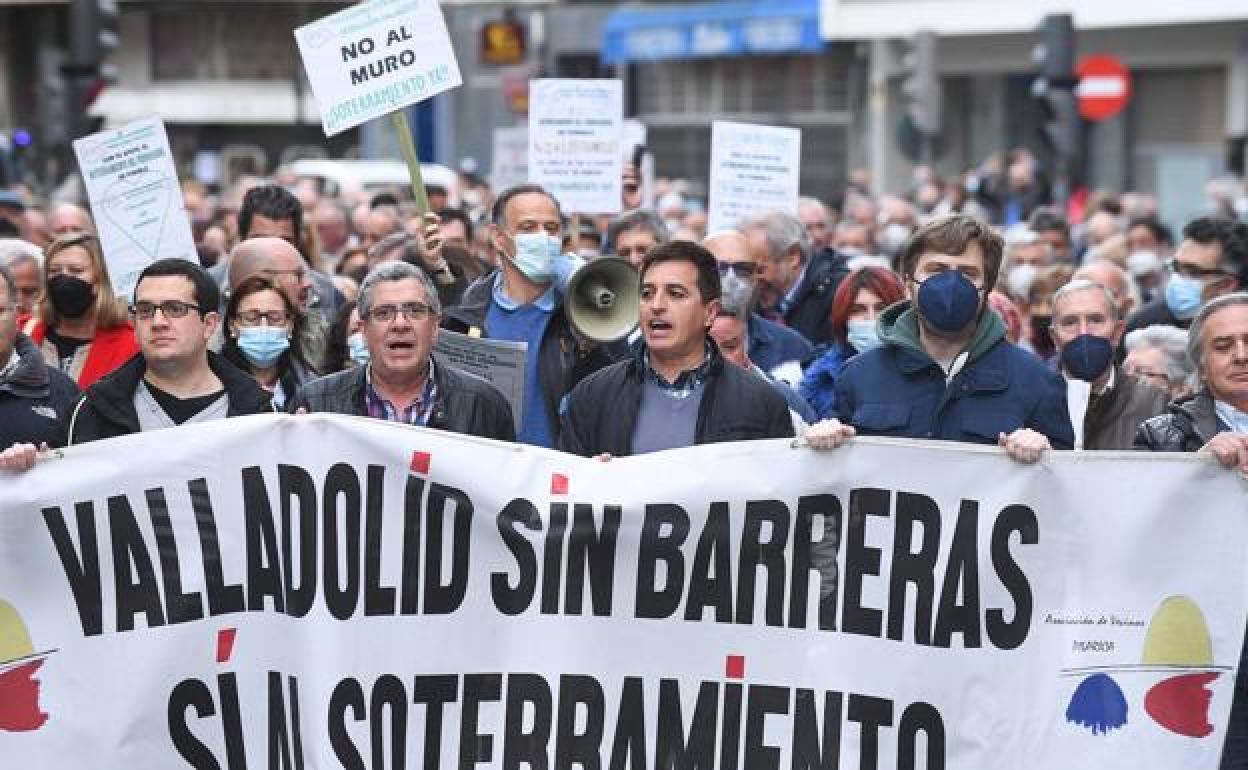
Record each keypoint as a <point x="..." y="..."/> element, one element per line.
<point x="1024" y="445"/>
<point x="434" y="262"/>
<point x="1231" y="449"/>
<point x="20" y="457"/>
<point x="828" y="434"/>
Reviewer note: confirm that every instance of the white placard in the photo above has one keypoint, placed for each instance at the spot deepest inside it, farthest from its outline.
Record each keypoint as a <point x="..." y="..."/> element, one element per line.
<point x="575" y="138"/>
<point x="754" y="168"/>
<point x="510" y="165"/>
<point x="371" y="59"/>
<point x="132" y="184"/>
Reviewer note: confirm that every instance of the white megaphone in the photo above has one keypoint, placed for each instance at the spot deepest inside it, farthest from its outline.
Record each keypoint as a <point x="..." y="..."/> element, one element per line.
<point x="602" y="298"/>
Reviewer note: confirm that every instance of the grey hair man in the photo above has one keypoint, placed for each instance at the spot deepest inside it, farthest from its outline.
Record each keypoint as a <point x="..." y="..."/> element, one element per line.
<point x="798" y="283"/>
<point x="633" y="234"/>
<point x="1105" y="404"/>
<point x="1158" y="354"/>
<point x="24" y="261"/>
<point x="403" y="381"/>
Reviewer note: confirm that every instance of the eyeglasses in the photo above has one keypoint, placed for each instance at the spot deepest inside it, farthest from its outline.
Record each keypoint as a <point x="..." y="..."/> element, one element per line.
<point x="412" y="311"/>
<point x="172" y="308"/>
<point x="742" y="269"/>
<point x="255" y="318"/>
<point x="1188" y="270"/>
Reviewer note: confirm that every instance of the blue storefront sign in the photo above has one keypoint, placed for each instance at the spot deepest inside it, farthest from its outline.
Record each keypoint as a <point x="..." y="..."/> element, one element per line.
<point x="711" y="30"/>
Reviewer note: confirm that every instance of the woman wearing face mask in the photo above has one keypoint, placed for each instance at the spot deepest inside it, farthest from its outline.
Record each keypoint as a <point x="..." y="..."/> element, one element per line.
<point x="346" y="346"/>
<point x="861" y="297"/>
<point x="79" y="323"/>
<point x="262" y="338"/>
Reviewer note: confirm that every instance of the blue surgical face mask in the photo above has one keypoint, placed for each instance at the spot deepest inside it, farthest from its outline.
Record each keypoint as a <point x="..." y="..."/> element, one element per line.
<point x="263" y="345"/>
<point x="357" y="348"/>
<point x="948" y="301"/>
<point x="535" y="256"/>
<point x="1087" y="356"/>
<point x="1183" y="296"/>
<point x="862" y="334"/>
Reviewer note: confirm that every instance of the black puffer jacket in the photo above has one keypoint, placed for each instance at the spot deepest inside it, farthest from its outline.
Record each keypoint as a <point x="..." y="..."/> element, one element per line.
<point x="564" y="359"/>
<point x="737" y="405"/>
<point x="106" y="410"/>
<point x="466" y="403"/>
<point x="1186" y="427"/>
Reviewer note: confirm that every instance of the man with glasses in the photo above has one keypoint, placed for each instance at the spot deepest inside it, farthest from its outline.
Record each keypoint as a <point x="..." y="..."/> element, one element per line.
<point x="174" y="379"/>
<point x="403" y="381"/>
<point x="634" y="233"/>
<point x="1211" y="261"/>
<point x="770" y="344"/>
<point x="944" y="369"/>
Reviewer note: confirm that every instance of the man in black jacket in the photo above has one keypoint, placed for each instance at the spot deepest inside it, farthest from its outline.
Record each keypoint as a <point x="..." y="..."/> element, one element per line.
<point x="1215" y="422"/>
<point x="677" y="390"/>
<point x="403" y="381"/>
<point x="35" y="399"/>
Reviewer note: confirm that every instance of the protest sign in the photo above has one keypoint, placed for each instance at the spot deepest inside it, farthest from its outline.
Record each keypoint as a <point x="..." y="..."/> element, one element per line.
<point x="374" y="58"/>
<point x="510" y="166"/>
<point x="325" y="591"/>
<point x="132" y="184"/>
<point x="575" y="142"/>
<point x="753" y="169"/>
<point x="499" y="362"/>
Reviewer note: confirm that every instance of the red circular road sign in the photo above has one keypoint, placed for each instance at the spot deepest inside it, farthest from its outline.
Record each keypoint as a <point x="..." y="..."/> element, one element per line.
<point x="1104" y="86"/>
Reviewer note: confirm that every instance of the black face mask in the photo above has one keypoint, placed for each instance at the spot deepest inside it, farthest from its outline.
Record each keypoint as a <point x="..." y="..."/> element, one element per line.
<point x="70" y="296"/>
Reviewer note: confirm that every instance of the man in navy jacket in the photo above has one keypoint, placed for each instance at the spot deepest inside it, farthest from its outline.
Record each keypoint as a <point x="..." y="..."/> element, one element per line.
<point x="945" y="369"/>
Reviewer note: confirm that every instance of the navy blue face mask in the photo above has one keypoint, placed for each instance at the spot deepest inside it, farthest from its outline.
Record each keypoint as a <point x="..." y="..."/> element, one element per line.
<point x="1087" y="356"/>
<point x="948" y="301"/>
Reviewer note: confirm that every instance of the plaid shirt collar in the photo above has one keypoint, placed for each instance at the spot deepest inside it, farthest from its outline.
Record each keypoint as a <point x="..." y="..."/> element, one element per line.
<point x="417" y="414"/>
<point x="687" y="381"/>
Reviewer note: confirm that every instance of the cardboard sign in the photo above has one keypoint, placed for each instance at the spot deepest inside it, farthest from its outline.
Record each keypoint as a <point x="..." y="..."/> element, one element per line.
<point x="377" y="57"/>
<point x="753" y="169"/>
<point x="575" y="137"/>
<point x="132" y="185"/>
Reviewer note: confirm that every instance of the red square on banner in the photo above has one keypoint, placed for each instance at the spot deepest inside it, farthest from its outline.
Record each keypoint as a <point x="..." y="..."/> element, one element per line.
<point x="734" y="667"/>
<point x="558" y="484"/>
<point x="225" y="644"/>
<point x="420" y="462"/>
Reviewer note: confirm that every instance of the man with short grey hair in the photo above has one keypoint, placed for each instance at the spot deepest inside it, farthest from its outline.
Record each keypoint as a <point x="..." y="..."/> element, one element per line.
<point x="1215" y="421"/>
<point x="1106" y="405"/>
<point x="403" y="381"/>
<point x="798" y="282"/>
<point x="633" y="234"/>
<point x="814" y="217"/>
<point x="24" y="261"/>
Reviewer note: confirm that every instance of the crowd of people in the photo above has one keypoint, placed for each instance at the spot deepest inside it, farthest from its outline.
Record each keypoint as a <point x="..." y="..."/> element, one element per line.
<point x="970" y="310"/>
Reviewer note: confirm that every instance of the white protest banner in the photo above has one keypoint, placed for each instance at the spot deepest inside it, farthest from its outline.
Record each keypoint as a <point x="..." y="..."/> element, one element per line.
<point x="510" y="166"/>
<point x="371" y="59"/>
<point x="753" y="169"/>
<point x="575" y="138"/>
<point x="326" y="591"/>
<point x="132" y="184"/>
<point x="501" y="363"/>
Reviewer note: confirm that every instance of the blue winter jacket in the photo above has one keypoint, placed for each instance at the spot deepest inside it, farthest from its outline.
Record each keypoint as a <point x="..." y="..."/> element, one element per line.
<point x="898" y="390"/>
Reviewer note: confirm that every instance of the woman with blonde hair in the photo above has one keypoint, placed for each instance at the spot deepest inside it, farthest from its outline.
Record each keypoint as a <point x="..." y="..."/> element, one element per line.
<point x="79" y="323"/>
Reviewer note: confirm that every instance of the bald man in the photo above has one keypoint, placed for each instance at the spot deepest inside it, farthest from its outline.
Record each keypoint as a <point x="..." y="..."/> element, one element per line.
<point x="770" y="345"/>
<point x="1113" y="278"/>
<point x="68" y="219"/>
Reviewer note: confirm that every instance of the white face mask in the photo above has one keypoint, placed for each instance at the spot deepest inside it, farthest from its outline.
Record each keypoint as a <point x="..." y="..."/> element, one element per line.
<point x="1019" y="279"/>
<point x="535" y="255"/>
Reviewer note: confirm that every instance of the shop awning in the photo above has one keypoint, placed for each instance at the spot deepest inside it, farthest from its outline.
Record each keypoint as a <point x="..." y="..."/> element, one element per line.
<point x="651" y="33"/>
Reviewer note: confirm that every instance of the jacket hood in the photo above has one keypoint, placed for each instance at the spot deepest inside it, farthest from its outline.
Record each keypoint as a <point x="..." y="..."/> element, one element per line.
<point x="30" y="378"/>
<point x="899" y="326"/>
